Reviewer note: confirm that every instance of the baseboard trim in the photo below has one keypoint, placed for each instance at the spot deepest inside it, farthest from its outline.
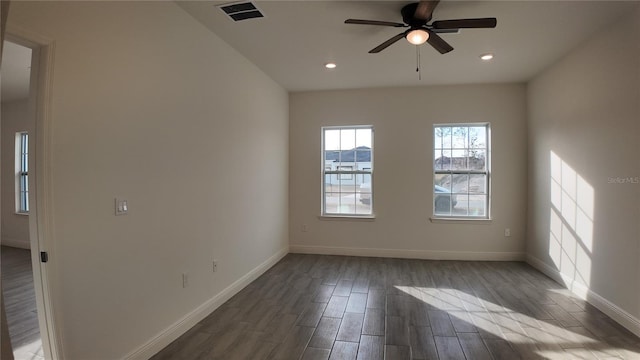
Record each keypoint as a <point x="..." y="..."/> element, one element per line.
<point x="618" y="314"/>
<point x="181" y="326"/>
<point x="409" y="254"/>
<point x="16" y="243"/>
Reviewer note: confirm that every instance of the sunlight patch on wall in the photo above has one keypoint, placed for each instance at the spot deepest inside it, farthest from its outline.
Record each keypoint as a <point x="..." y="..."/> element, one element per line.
<point x="571" y="221"/>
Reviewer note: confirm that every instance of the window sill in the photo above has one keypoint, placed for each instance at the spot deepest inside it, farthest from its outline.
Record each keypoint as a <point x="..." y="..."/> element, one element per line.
<point x="22" y="213"/>
<point x="444" y="220"/>
<point x="347" y="218"/>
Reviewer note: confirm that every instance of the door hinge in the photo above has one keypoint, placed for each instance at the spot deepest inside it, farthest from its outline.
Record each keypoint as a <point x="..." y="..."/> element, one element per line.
<point x="44" y="256"/>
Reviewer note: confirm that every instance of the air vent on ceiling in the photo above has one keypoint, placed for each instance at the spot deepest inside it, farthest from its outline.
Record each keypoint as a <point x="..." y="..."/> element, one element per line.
<point x="241" y="11"/>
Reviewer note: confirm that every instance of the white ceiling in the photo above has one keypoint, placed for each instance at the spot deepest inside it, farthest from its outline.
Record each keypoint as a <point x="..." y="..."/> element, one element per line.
<point x="15" y="72"/>
<point x="295" y="39"/>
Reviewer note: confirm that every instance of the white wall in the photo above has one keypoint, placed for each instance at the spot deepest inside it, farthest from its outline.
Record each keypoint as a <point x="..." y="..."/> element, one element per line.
<point x="584" y="193"/>
<point x="150" y="105"/>
<point x="15" y="228"/>
<point x="403" y="120"/>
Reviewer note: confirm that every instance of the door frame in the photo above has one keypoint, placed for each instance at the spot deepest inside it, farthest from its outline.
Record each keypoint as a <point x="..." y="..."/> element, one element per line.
<point x="40" y="182"/>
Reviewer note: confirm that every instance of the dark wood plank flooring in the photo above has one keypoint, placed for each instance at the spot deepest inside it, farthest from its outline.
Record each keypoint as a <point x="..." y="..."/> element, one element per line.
<point x="20" y="303"/>
<point x="335" y="307"/>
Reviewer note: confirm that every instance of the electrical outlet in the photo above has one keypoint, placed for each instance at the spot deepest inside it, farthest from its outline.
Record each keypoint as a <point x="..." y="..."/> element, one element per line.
<point x="305" y="228"/>
<point x="507" y="232"/>
<point x="215" y="265"/>
<point x="185" y="280"/>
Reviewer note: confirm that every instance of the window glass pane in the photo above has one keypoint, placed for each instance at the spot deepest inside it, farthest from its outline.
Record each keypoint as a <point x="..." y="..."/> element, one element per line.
<point x="345" y="200"/>
<point x="460" y="183"/>
<point x="363" y="138"/>
<point x="442" y="183"/>
<point x="364" y="194"/>
<point x="332" y="139"/>
<point x="329" y="180"/>
<point x="477" y="159"/>
<point x="363" y="203"/>
<point x="347" y="139"/>
<point x="442" y="202"/>
<point x="477" y="184"/>
<point x="477" y="137"/>
<point x="459" y="204"/>
<point x="458" y="160"/>
<point x="437" y="138"/>
<point x="365" y="178"/>
<point x="477" y="205"/>
<point x="363" y="157"/>
<point x="363" y="208"/>
<point x="442" y="159"/>
<point x="446" y="137"/>
<point x="331" y="156"/>
<point x="459" y="137"/>
<point x="331" y="201"/>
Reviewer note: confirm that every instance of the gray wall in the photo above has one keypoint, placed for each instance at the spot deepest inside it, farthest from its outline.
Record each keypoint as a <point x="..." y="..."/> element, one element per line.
<point x="584" y="195"/>
<point x="403" y="120"/>
<point x="150" y="105"/>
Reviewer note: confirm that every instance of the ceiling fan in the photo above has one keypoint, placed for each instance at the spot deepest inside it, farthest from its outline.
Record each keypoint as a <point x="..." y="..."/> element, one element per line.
<point x="416" y="17"/>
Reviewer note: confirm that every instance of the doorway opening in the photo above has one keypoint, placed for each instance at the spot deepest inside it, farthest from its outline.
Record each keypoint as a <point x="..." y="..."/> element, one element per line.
<point x="17" y="124"/>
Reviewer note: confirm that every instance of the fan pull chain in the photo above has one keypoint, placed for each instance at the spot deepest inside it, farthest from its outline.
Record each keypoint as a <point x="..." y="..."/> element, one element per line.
<point x="418" y="70"/>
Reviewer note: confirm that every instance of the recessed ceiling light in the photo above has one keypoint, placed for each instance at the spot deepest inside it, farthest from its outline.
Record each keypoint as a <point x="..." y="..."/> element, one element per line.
<point x="330" y="65"/>
<point x="486" y="57"/>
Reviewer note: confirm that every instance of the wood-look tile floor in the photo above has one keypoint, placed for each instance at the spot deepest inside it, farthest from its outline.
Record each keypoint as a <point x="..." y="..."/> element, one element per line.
<point x="335" y="307"/>
<point x="20" y="303"/>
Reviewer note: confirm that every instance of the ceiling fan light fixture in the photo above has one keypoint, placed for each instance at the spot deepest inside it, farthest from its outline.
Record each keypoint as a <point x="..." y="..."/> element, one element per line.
<point x="417" y="36"/>
<point x="330" y="65"/>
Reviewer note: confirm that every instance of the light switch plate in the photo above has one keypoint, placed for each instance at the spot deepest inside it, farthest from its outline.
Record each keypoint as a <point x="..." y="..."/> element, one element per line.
<point x="122" y="206"/>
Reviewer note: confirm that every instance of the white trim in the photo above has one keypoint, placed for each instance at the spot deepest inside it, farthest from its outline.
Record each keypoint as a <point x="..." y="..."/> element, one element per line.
<point x="165" y="337"/>
<point x="612" y="310"/>
<point x="457" y="220"/>
<point x="21" y="244"/>
<point x="347" y="217"/>
<point x="409" y="254"/>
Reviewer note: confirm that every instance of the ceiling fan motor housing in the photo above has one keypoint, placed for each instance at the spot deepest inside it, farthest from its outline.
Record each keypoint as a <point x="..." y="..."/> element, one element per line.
<point x="408" y="12"/>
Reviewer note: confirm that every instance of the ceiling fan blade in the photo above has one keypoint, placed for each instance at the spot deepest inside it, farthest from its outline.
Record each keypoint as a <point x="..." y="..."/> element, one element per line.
<point x="465" y="23"/>
<point x="446" y="31"/>
<point x="438" y="43"/>
<point x="386" y="44"/>
<point x="425" y="9"/>
<point x="374" y="22"/>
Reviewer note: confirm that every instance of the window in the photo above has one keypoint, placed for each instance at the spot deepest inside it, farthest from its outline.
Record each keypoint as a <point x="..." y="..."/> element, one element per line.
<point x="347" y="163"/>
<point x="461" y="171"/>
<point x="22" y="173"/>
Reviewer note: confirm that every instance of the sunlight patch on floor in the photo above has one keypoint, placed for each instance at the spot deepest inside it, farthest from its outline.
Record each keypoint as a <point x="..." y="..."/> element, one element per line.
<point x="501" y="322"/>
<point x="31" y="351"/>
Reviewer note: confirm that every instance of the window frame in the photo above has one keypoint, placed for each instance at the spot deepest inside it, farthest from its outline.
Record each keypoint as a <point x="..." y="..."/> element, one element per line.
<point x="344" y="174"/>
<point x="486" y="172"/>
<point x="22" y="172"/>
<point x="352" y="174"/>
